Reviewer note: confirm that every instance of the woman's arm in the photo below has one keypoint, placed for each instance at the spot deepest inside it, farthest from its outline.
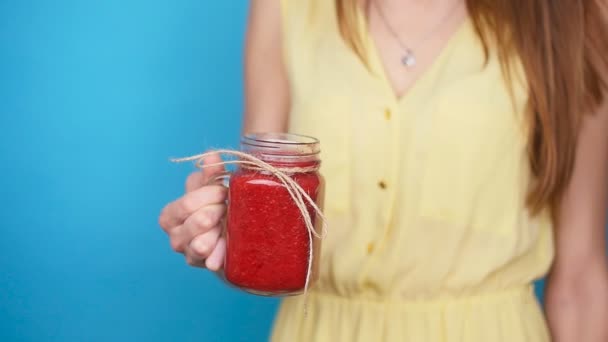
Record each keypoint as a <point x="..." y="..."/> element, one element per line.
<point x="577" y="290"/>
<point x="193" y="221"/>
<point x="266" y="86"/>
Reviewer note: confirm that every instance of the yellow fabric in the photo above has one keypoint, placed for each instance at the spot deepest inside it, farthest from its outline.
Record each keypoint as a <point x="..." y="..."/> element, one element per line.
<point x="429" y="238"/>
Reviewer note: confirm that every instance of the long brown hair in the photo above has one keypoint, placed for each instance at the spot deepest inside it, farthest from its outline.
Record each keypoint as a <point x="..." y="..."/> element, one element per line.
<point x="563" y="48"/>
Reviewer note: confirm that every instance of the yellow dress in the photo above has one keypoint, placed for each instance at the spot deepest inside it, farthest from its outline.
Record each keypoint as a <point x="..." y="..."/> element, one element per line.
<point x="429" y="237"/>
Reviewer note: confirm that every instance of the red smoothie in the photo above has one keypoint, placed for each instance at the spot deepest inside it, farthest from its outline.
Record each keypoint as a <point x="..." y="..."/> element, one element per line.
<point x="268" y="241"/>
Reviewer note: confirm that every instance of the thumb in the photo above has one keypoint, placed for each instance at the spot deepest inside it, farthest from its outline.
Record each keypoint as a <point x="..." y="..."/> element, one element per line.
<point x="211" y="172"/>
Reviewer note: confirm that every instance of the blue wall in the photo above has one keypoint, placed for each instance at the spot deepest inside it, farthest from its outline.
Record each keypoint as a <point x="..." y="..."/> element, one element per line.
<point x="94" y="98"/>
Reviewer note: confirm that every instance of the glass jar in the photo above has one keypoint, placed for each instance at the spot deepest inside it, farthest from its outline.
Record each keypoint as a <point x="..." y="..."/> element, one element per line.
<point x="268" y="243"/>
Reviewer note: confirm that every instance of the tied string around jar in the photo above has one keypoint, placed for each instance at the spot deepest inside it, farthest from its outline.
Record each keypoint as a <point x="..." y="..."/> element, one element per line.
<point x="299" y="196"/>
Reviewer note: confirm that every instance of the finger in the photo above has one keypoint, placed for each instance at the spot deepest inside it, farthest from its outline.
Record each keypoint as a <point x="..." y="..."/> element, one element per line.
<point x="194" y="181"/>
<point x="209" y="173"/>
<point x="204" y="219"/>
<point x="193" y="260"/>
<point x="215" y="260"/>
<point x="177" y="244"/>
<point x="202" y="245"/>
<point x="198" y="223"/>
<point x="176" y="212"/>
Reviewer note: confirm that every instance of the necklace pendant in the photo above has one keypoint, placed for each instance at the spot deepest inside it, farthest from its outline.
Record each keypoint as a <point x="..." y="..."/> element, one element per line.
<point x="409" y="60"/>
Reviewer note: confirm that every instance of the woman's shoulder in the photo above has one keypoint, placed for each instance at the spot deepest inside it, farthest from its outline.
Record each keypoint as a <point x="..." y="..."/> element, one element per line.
<point x="309" y="12"/>
<point x="306" y="4"/>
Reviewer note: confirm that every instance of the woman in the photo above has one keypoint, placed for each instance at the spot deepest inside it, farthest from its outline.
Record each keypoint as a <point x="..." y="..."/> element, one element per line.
<point x="466" y="155"/>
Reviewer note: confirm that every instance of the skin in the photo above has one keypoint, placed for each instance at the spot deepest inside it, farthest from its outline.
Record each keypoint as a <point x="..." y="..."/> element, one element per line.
<point x="577" y="290"/>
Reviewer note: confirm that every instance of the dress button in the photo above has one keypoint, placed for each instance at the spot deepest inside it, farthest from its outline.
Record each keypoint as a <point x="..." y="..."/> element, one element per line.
<point x="370" y="248"/>
<point x="387" y="114"/>
<point x="382" y="185"/>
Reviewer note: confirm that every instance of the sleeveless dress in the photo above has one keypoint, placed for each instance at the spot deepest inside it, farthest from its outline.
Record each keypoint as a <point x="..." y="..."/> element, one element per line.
<point x="429" y="236"/>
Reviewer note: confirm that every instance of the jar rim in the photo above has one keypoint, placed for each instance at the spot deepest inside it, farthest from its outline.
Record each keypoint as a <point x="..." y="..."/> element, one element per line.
<point x="281" y="143"/>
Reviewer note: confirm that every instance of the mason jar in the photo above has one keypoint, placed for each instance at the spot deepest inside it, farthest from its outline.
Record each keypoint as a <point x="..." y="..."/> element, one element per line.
<point x="269" y="244"/>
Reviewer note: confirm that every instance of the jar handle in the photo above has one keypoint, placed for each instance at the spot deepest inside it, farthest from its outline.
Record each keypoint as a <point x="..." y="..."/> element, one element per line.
<point x="222" y="178"/>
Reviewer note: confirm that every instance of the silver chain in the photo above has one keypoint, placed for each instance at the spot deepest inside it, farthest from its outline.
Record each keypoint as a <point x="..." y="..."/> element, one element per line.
<point x="409" y="59"/>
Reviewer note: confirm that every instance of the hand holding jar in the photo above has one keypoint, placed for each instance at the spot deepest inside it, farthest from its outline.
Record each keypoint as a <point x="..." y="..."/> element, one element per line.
<point x="272" y="244"/>
<point x="194" y="221"/>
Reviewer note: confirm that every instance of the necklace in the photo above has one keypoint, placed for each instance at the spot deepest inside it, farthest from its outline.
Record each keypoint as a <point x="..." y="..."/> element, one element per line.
<point x="409" y="57"/>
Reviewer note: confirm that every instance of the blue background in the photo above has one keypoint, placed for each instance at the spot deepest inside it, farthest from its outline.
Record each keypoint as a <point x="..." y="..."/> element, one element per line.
<point x="94" y="98"/>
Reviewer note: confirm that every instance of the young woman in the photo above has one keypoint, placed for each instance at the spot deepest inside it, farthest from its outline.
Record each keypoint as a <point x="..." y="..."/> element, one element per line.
<point x="465" y="153"/>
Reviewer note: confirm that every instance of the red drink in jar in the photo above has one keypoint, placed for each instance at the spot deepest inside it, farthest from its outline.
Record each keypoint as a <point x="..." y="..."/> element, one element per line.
<point x="268" y="242"/>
